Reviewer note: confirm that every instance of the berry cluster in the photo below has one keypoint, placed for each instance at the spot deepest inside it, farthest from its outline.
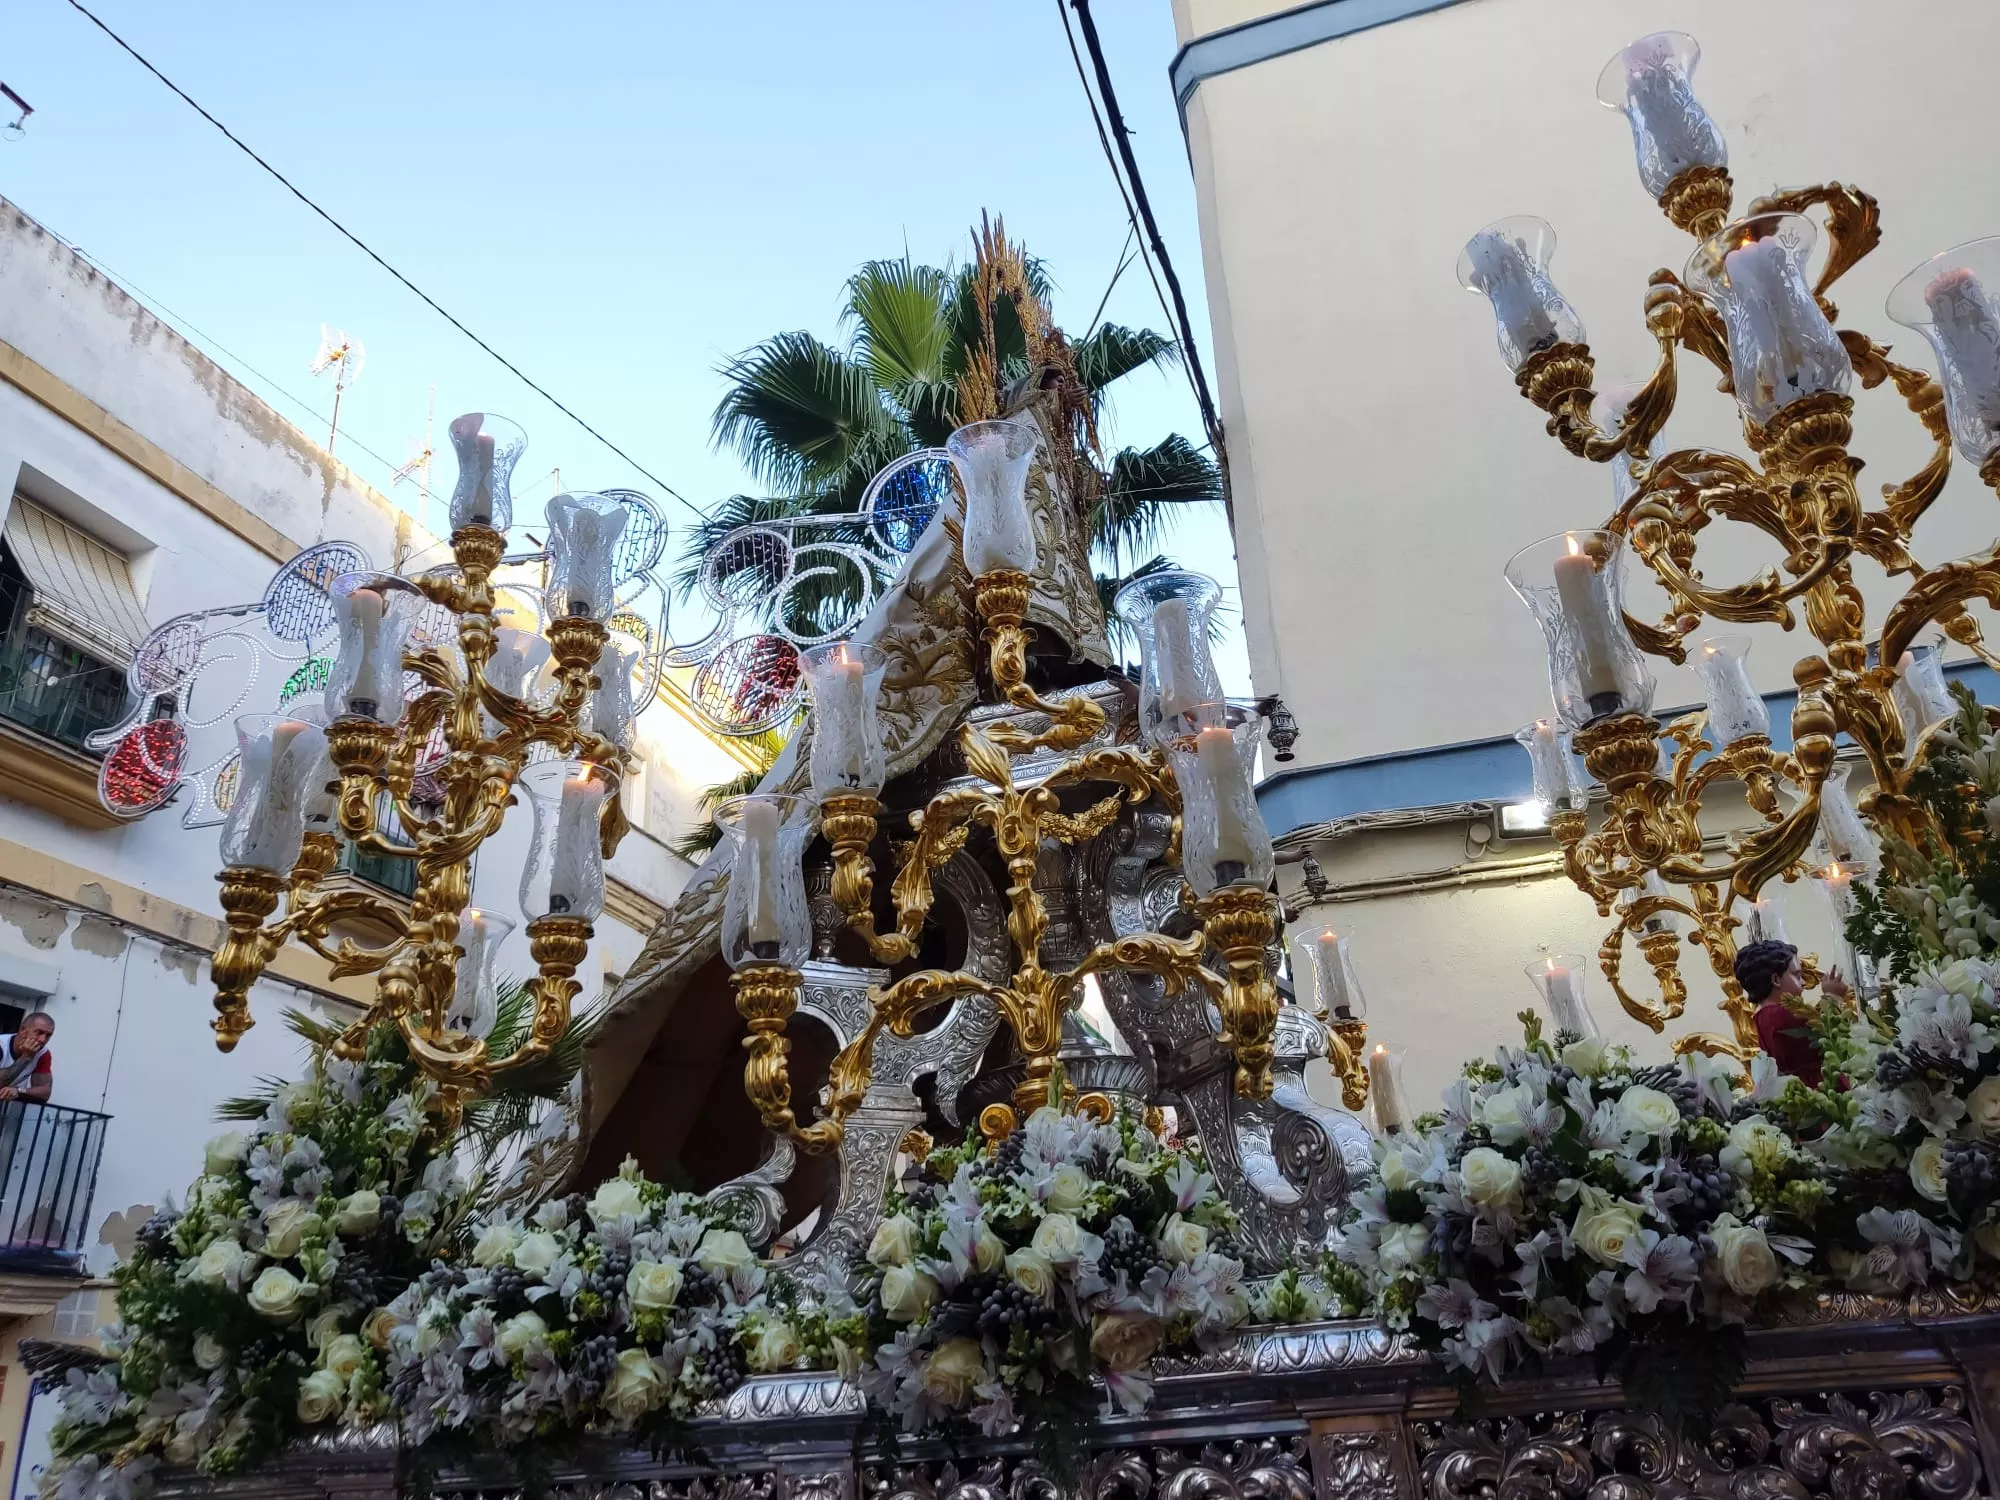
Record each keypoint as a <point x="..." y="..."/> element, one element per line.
<point x="1705" y="1190"/>
<point x="1898" y="1066"/>
<point x="1006" y="1307"/>
<point x="1540" y="1168"/>
<point x="1127" y="1250"/>
<point x="1668" y="1079"/>
<point x="592" y="1365"/>
<point x="1971" y="1174"/>
<point x="156" y="1236"/>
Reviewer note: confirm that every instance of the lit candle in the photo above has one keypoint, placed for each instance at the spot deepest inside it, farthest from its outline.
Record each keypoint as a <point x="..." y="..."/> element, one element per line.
<point x="1501" y="269"/>
<point x="1662" y="105"/>
<point x="1215" y="748"/>
<point x="1968" y="330"/>
<point x="517" y="656"/>
<point x="1763" y="922"/>
<point x="1848" y="839"/>
<point x="576" y="856"/>
<point x="1175" y="673"/>
<point x="1592" y="627"/>
<point x="1385" y="1089"/>
<point x="474" y="1004"/>
<point x="1334" y="996"/>
<point x="1735" y="709"/>
<point x="280" y="815"/>
<point x="760" y="834"/>
<point x="1773" y="360"/>
<point x="364" y="609"/>
<point x="482" y="494"/>
<point x="1550" y="762"/>
<point x="842" y="713"/>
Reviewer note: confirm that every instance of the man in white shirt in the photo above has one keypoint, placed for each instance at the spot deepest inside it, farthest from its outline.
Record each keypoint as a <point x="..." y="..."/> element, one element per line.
<point x="27" y="1069"/>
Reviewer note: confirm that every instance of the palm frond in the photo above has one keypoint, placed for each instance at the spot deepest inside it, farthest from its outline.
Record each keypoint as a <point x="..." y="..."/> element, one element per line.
<point x="1135" y="513"/>
<point x="1113" y="352"/>
<point x="800" y="413"/>
<point x="897" y="312"/>
<point x="1108" y="586"/>
<point x="302" y="1024"/>
<point x="510" y="1108"/>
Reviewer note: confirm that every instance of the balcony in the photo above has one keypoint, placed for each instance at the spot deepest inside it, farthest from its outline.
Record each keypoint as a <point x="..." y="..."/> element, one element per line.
<point x="48" y="1175"/>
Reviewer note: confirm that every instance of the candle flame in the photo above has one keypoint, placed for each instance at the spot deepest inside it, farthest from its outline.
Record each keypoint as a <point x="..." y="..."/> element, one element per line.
<point x="1380" y="1051"/>
<point x="1329" y="936"/>
<point x="1574" y="549"/>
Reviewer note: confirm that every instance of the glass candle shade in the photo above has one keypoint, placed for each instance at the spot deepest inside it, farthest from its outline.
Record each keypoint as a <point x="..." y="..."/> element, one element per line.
<point x="845" y="680"/>
<point x="487" y="447"/>
<point x="1781" y="346"/>
<point x="1847" y="837"/>
<point x="1658" y="921"/>
<point x="1508" y="262"/>
<point x="1953" y="299"/>
<point x="583" y="548"/>
<point x="475" y="1003"/>
<point x="564" y="873"/>
<point x="1169" y="613"/>
<point x="514" y="668"/>
<point x="1573" y="584"/>
<point x="1386" y="1099"/>
<point x="1558" y="979"/>
<point x="1649" y="83"/>
<point x="374" y="612"/>
<point x="1607" y="414"/>
<point x="1736" y="710"/>
<point x="1223" y="837"/>
<point x="1836" y="884"/>
<point x="992" y="460"/>
<point x="1921" y="696"/>
<point x="1336" y="991"/>
<point x="608" y="712"/>
<point x="278" y="756"/>
<point x="764" y="915"/>
<point x="1764" y="922"/>
<point x="1558" y="786"/>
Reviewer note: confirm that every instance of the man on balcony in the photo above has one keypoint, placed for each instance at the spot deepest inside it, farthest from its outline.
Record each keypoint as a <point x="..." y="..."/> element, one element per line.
<point x="26" y="1069"/>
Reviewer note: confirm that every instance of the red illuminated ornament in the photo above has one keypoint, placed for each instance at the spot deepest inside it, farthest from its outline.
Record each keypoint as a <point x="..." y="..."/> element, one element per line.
<point x="143" y="770"/>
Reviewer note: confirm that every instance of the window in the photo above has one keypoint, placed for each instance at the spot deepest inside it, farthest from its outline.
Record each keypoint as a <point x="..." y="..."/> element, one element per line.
<point x="69" y="624"/>
<point x="76" y="1316"/>
<point x="393" y="872"/>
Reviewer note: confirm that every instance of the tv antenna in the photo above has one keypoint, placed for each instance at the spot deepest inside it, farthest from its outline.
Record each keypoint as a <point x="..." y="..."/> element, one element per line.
<point x="419" y="466"/>
<point x="17" y="127"/>
<point x="343" y="356"/>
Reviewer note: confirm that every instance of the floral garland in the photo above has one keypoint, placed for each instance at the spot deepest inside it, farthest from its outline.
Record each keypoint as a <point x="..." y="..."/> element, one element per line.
<point x="1002" y="1282"/>
<point x="1567" y="1202"/>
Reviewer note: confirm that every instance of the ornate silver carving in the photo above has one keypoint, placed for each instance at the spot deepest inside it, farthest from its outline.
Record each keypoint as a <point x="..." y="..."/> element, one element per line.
<point x="1272" y="1468"/>
<point x="790" y="1398"/>
<point x="1355" y="1466"/>
<point x="754" y="1197"/>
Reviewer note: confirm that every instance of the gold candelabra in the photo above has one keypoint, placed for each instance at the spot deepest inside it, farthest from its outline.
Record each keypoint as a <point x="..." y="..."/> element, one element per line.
<point x="1746" y="308"/>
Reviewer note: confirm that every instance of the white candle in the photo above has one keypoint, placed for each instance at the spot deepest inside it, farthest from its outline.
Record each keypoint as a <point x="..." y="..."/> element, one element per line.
<point x="576" y="857"/>
<point x="1501" y="269"/>
<point x="1334" y="997"/>
<point x="1763" y="922"/>
<point x="272" y="843"/>
<point x="1848" y="839"/>
<point x="1550" y="762"/>
<point x="1664" y="107"/>
<point x="482" y="494"/>
<point x="1969" y="331"/>
<point x="1175" y="673"/>
<point x="760" y="833"/>
<point x="1385" y="1090"/>
<point x="474" y="1004"/>
<point x="1735" y="709"/>
<point x="1565" y="998"/>
<point x="1586" y="607"/>
<point x="517" y="656"/>
<point x="364" y="608"/>
<point x="842" y="713"/>
<point x="1215" y="747"/>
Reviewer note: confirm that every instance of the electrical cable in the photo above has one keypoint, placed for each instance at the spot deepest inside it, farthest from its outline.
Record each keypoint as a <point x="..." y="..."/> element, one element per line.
<point x="364" y="248"/>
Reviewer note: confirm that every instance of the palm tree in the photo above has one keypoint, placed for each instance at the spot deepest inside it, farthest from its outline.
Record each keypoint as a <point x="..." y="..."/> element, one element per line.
<point x="815" y="421"/>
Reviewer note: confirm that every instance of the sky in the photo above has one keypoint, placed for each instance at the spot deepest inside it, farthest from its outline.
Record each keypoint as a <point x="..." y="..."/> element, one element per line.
<point x="617" y="197"/>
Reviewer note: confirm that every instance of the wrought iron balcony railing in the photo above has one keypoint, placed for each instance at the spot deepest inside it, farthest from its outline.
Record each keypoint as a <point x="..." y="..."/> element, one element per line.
<point x="48" y="1173"/>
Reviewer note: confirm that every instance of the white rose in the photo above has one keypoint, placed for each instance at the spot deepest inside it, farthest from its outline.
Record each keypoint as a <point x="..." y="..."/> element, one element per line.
<point x="359" y="1212"/>
<point x="1927" y="1169"/>
<point x="635" y="1386"/>
<point x="536" y="1252"/>
<point x="378" y="1326"/>
<point x="1396" y="1170"/>
<point x="989" y="1253"/>
<point x="1069" y="1189"/>
<point x="344" y="1356"/>
<point x="1644" y="1111"/>
<point x="723" y="1251"/>
<point x="1753" y="1142"/>
<point x="221" y="1156"/>
<point x="907" y="1294"/>
<point x="653" y="1284"/>
<point x="894" y="1243"/>
<point x="209" y="1352"/>
<point x="1604" y="1226"/>
<point x="1748" y="1263"/>
<point x="1982" y="1107"/>
<point x="1491" y="1179"/>
<point x="1402" y="1246"/>
<point x="521" y="1333"/>
<point x="325" y="1325"/>
<point x="1033" y="1274"/>
<point x="496" y="1245"/>
<point x="953" y="1370"/>
<point x="320" y="1396"/>
<point x="285" y="1224"/>
<point x="1057" y="1239"/>
<point x="616" y="1198"/>
<point x="276" y="1295"/>
<point x="1504" y="1112"/>
<point x="775" y="1346"/>
<point x="224" y="1263"/>
<point x="182" y="1449"/>
<point x="1180" y="1241"/>
<point x="1586" y="1057"/>
<point x="1125" y="1340"/>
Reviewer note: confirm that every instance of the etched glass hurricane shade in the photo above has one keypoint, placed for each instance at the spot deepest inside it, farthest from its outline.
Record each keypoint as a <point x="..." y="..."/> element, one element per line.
<point x="279" y="755"/>
<point x="1168" y="614"/>
<point x="845" y="680"/>
<point x="1953" y="300"/>
<point x="1387" y="1101"/>
<point x="1508" y="263"/>
<point x="374" y="612"/>
<point x="992" y="460"/>
<point x="1650" y="82"/>
<point x="1781" y="346"/>
<point x="1921" y="695"/>
<point x="514" y="668"/>
<point x="609" y="713"/>
<point x="487" y="447"/>
<point x="1558" y="979"/>
<point x="1223" y="837"/>
<point x="583" y="551"/>
<point x="1557" y="786"/>
<point x="475" y="1001"/>
<point x="1573" y="584"/>
<point x="564" y="873"/>
<point x="1336" y="989"/>
<point x="1736" y="709"/>
<point x="764" y="915"/>
<point x="1845" y="837"/>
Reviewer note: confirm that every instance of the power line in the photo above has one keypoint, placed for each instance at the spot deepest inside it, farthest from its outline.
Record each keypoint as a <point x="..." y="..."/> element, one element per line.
<point x="360" y="245"/>
<point x="1125" y="253"/>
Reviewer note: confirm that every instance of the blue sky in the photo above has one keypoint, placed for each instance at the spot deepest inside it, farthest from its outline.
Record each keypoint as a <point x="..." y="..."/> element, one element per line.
<point x="616" y="196"/>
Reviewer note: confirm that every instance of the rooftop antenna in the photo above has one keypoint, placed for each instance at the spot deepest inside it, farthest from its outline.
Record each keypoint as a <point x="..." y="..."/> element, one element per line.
<point x="344" y="356"/>
<point x="419" y="466"/>
<point x="17" y="127"/>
